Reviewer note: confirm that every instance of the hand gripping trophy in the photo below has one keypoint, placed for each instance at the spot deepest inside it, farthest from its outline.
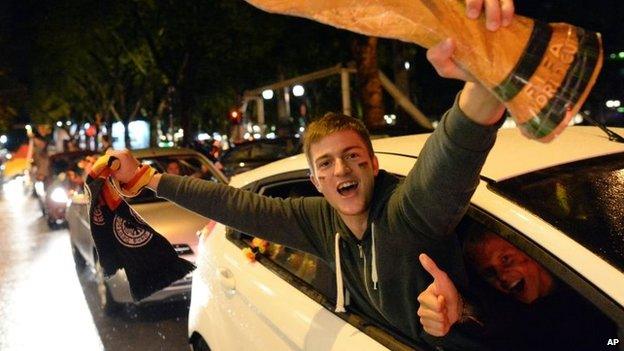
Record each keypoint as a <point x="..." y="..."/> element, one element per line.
<point x="542" y="72"/>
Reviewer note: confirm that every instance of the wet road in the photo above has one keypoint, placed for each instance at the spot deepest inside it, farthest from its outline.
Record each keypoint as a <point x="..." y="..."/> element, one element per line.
<point x="46" y="305"/>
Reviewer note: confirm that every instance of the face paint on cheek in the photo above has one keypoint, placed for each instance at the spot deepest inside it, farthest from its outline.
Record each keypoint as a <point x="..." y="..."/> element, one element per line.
<point x="363" y="164"/>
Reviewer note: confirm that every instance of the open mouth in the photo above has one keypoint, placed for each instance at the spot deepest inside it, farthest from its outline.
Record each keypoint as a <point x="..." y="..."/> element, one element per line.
<point x="517" y="287"/>
<point x="347" y="188"/>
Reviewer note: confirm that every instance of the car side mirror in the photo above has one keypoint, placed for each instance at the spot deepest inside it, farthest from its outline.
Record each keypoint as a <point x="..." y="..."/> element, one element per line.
<point x="80" y="199"/>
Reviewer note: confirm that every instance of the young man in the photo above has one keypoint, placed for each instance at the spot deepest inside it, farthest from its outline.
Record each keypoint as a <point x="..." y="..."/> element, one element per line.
<point x="549" y="316"/>
<point x="369" y="226"/>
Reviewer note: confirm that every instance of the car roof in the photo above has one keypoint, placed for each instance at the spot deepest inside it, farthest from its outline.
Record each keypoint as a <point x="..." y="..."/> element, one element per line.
<point x="163" y="151"/>
<point x="512" y="155"/>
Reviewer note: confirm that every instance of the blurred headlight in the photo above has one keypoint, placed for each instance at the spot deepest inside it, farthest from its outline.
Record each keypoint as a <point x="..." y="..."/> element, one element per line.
<point x="59" y="195"/>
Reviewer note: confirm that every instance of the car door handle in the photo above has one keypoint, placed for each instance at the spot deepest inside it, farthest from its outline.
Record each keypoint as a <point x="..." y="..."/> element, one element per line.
<point x="228" y="283"/>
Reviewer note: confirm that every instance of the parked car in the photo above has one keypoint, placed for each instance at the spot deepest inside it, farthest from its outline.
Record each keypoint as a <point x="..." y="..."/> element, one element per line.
<point x="176" y="224"/>
<point x="560" y="203"/>
<point x="62" y="179"/>
<point x="251" y="154"/>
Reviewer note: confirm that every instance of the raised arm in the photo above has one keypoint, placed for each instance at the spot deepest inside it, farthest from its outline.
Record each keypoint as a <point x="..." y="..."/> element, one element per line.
<point x="438" y="189"/>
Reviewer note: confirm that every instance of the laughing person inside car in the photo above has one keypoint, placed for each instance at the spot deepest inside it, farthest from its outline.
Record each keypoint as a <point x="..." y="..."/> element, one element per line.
<point x="549" y="315"/>
<point x="369" y="226"/>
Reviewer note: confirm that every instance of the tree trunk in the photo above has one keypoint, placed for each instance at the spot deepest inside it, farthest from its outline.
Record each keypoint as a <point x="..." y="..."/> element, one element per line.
<point x="371" y="93"/>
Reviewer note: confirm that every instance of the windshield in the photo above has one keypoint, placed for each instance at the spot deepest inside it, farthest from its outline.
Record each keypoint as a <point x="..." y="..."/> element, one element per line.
<point x="583" y="199"/>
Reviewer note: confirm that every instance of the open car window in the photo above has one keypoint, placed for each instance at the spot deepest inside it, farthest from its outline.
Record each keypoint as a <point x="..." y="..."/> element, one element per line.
<point x="308" y="273"/>
<point x="572" y="314"/>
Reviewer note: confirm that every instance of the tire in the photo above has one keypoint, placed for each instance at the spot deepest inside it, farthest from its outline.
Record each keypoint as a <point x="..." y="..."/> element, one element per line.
<point x="108" y="305"/>
<point x="79" y="261"/>
<point x="199" y="344"/>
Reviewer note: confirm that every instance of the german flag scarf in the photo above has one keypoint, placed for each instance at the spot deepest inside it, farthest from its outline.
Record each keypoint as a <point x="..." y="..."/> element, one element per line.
<point x="122" y="239"/>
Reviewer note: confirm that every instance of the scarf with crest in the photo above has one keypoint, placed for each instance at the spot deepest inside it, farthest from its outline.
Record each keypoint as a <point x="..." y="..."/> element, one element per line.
<point x="123" y="240"/>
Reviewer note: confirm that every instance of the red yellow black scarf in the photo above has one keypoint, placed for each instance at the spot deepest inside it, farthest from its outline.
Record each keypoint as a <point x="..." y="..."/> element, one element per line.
<point x="123" y="240"/>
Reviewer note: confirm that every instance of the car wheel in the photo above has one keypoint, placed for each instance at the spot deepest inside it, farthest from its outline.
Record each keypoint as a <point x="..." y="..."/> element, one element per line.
<point x="107" y="303"/>
<point x="78" y="259"/>
<point x="199" y="344"/>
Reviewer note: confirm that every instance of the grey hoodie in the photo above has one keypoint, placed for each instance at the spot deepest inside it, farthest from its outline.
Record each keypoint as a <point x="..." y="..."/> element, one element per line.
<point x="381" y="272"/>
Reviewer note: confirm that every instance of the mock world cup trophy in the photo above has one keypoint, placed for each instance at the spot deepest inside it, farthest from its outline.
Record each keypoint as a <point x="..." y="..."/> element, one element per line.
<point x="542" y="72"/>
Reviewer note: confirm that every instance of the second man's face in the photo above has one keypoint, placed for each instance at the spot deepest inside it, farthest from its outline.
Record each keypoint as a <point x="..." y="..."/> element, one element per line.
<point x="344" y="172"/>
<point x="511" y="271"/>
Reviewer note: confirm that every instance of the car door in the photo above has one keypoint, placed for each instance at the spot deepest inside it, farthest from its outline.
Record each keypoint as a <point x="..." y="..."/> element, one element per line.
<point x="280" y="299"/>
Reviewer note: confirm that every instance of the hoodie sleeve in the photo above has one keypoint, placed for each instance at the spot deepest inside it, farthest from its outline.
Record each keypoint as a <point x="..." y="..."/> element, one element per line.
<point x="436" y="192"/>
<point x="282" y="221"/>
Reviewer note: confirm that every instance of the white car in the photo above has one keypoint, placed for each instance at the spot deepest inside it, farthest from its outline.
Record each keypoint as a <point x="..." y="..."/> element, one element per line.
<point x="561" y="203"/>
<point x="178" y="225"/>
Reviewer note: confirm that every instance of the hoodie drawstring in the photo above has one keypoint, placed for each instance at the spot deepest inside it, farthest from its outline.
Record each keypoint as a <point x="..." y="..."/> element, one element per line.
<point x="340" y="298"/>
<point x="374" y="276"/>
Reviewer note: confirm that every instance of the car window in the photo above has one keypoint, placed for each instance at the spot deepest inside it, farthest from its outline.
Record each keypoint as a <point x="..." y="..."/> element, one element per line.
<point x="306" y="272"/>
<point x="570" y="313"/>
<point x="305" y="266"/>
<point x="185" y="165"/>
<point x="582" y="199"/>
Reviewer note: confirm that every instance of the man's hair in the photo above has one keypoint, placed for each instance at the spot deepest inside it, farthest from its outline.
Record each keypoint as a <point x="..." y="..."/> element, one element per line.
<point x="331" y="123"/>
<point x="474" y="235"/>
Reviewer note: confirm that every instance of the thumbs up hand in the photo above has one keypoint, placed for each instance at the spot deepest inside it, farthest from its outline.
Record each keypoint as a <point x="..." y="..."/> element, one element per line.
<point x="440" y="304"/>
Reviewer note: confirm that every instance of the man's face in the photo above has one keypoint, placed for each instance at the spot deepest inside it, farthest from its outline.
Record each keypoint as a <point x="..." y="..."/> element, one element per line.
<point x="173" y="168"/>
<point x="511" y="271"/>
<point x="344" y="172"/>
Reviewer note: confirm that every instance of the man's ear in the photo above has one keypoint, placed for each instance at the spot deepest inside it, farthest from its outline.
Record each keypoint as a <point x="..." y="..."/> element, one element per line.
<point x="316" y="183"/>
<point x="375" y="165"/>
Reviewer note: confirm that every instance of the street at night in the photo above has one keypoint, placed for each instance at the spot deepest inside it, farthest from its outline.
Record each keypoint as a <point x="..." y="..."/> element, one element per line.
<point x="46" y="305"/>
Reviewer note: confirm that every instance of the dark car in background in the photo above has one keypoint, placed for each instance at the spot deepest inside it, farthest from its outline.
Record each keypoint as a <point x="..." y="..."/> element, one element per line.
<point x="252" y="154"/>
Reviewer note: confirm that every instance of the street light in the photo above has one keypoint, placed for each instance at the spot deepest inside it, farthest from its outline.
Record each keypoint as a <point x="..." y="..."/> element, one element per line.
<point x="267" y="94"/>
<point x="298" y="90"/>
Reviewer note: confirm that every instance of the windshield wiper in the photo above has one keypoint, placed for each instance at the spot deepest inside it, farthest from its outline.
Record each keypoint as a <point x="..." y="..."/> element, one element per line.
<point x="613" y="136"/>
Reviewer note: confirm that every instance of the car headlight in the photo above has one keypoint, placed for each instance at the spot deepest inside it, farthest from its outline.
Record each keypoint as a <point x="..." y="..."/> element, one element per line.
<point x="59" y="195"/>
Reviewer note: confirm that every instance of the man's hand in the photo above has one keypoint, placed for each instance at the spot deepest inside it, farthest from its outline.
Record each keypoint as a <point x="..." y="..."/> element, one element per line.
<point x="475" y="101"/>
<point x="440" y="304"/>
<point x="129" y="165"/>
<point x="497" y="12"/>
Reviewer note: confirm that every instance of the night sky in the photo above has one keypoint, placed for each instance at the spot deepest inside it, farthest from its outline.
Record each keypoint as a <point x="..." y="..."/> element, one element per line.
<point x="19" y="18"/>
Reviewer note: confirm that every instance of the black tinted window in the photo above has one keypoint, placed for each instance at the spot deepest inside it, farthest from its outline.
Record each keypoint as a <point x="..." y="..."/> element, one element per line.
<point x="583" y="199"/>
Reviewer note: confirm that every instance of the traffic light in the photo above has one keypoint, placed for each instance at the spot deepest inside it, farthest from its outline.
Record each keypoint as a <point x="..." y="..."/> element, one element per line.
<point x="235" y="116"/>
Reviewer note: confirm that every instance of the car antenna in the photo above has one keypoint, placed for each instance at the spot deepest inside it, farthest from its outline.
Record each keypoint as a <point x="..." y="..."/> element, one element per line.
<point x="613" y="136"/>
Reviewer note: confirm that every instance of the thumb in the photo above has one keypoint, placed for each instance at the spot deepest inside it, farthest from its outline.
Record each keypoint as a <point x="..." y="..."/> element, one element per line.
<point x="431" y="267"/>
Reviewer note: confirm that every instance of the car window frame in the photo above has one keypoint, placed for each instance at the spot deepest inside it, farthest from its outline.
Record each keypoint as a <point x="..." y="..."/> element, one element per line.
<point x="558" y="268"/>
<point x="391" y="339"/>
